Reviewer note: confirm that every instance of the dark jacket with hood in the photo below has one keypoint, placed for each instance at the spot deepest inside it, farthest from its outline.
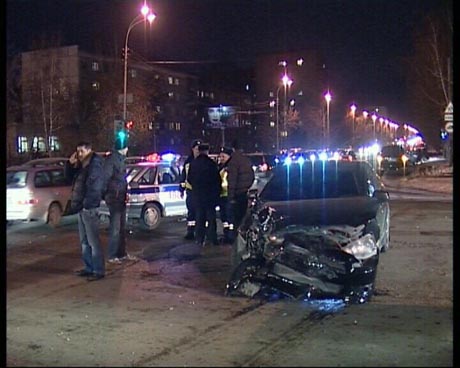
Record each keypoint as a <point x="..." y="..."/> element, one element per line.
<point x="240" y="174"/>
<point x="115" y="178"/>
<point x="88" y="182"/>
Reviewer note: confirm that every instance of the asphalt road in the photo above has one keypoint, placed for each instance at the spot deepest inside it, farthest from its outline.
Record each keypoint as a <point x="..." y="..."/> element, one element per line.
<point x="169" y="309"/>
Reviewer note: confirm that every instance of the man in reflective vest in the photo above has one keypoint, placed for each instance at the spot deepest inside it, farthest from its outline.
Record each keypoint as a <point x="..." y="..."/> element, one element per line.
<point x="186" y="187"/>
<point x="224" y="157"/>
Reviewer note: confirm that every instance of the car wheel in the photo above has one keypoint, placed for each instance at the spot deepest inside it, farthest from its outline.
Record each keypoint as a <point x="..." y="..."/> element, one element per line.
<point x="150" y="217"/>
<point x="54" y="214"/>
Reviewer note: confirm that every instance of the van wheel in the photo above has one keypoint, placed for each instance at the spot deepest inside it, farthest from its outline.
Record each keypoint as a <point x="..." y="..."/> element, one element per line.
<point x="54" y="215"/>
<point x="151" y="216"/>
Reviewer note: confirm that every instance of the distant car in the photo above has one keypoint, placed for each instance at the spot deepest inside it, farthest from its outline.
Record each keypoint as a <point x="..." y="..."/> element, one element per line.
<point x="153" y="193"/>
<point x="262" y="163"/>
<point x="394" y="158"/>
<point x="316" y="229"/>
<point x="37" y="192"/>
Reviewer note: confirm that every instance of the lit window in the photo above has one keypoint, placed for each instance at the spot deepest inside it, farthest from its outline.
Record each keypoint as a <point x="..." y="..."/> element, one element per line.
<point x="176" y="81"/>
<point x="272" y="124"/>
<point x="38" y="144"/>
<point x="95" y="86"/>
<point x="95" y="66"/>
<point x="54" y="143"/>
<point x="174" y="126"/>
<point x="170" y="80"/>
<point x="170" y="94"/>
<point x="22" y="144"/>
<point x="133" y="73"/>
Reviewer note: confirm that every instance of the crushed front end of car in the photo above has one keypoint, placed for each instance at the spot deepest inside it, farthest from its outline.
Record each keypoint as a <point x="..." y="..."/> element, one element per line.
<point x="302" y="261"/>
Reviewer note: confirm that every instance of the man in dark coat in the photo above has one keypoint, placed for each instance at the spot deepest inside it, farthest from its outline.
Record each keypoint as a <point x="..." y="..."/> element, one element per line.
<point x="206" y="183"/>
<point x="240" y="179"/>
<point x="186" y="187"/>
<point x="115" y="198"/>
<point x="85" y="168"/>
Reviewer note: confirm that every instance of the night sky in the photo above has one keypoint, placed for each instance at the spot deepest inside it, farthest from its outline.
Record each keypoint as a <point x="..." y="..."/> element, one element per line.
<point x="363" y="41"/>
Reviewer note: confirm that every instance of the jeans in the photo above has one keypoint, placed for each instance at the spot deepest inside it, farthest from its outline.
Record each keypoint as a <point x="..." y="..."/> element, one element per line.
<point x="117" y="228"/>
<point x="91" y="249"/>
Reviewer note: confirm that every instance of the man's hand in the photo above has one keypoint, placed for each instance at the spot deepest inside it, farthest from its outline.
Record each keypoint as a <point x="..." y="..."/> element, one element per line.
<point x="73" y="158"/>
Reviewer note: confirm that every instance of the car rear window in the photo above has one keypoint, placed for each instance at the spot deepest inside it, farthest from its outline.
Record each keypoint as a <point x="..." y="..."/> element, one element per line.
<point x="16" y="178"/>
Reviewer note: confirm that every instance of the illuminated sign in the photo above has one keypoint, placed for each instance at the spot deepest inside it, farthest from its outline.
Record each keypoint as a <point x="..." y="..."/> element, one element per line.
<point x="222" y="117"/>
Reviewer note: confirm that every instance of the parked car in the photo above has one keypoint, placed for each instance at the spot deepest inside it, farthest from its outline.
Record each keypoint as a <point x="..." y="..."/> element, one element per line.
<point x="153" y="193"/>
<point x="46" y="161"/>
<point x="394" y="158"/>
<point x="262" y="163"/>
<point x="316" y="229"/>
<point x="37" y="192"/>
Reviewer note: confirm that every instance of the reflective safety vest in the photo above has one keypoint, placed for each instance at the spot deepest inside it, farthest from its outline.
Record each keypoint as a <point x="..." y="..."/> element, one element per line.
<point x="186" y="184"/>
<point x="224" y="187"/>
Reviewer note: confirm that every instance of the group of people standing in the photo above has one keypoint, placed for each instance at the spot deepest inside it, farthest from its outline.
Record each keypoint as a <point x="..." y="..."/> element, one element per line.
<point x="208" y="184"/>
<point x="94" y="178"/>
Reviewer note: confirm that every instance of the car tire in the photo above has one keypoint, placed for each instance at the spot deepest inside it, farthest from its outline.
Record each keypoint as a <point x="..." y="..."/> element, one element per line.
<point x="150" y="217"/>
<point x="54" y="215"/>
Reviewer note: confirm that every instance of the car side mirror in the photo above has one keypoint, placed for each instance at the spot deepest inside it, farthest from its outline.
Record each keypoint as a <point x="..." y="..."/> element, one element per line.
<point x="381" y="195"/>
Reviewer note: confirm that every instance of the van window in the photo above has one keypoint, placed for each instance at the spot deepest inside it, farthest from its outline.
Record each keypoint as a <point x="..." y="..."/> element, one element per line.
<point x="16" y="178"/>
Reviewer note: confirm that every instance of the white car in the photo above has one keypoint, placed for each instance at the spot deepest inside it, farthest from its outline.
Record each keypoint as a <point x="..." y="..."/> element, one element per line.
<point x="153" y="193"/>
<point x="37" y="192"/>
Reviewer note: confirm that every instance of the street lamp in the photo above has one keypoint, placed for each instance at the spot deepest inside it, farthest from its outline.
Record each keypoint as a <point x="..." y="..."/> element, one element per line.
<point x="374" y="118"/>
<point x="146" y="14"/>
<point x="353" y="111"/>
<point x="328" y="98"/>
<point x="286" y="83"/>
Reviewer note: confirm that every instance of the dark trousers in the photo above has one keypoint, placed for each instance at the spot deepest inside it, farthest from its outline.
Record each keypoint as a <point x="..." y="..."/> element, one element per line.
<point x="206" y="213"/>
<point x="223" y="213"/>
<point x="191" y="212"/>
<point x="117" y="230"/>
<point x="237" y="209"/>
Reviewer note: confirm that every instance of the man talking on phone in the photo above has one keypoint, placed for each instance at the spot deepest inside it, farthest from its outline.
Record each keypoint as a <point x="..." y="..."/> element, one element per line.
<point x="86" y="169"/>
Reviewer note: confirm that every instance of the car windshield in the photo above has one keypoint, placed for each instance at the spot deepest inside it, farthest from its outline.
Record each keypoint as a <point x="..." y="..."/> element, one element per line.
<point x="16" y="178"/>
<point x="322" y="180"/>
<point x="392" y="151"/>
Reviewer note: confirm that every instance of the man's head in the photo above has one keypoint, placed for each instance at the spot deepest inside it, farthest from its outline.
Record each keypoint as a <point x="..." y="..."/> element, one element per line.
<point x="121" y="145"/>
<point x="225" y="154"/>
<point x="203" y="148"/>
<point x="195" y="144"/>
<point x="83" y="150"/>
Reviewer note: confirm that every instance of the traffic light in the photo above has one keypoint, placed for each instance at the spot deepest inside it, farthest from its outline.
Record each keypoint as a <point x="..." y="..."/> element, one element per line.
<point x="129" y="124"/>
<point x="120" y="131"/>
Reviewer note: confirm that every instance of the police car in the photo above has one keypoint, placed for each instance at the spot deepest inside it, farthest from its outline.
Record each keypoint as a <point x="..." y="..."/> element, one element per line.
<point x="153" y="191"/>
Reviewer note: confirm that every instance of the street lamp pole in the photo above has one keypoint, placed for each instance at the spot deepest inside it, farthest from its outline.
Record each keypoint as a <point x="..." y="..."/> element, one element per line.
<point x="277" y="121"/>
<point x="146" y="14"/>
<point x="328" y="97"/>
<point x="353" y="111"/>
<point x="374" y="118"/>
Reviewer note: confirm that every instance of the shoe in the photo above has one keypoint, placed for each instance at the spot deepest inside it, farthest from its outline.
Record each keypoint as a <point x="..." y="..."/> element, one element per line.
<point x="95" y="277"/>
<point x="83" y="273"/>
<point x="129" y="257"/>
<point x="114" y="261"/>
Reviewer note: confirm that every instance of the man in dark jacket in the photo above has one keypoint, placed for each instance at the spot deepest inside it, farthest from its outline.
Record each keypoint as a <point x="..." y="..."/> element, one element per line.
<point x="85" y="168"/>
<point x="115" y="197"/>
<point x="240" y="179"/>
<point x="206" y="183"/>
<point x="186" y="187"/>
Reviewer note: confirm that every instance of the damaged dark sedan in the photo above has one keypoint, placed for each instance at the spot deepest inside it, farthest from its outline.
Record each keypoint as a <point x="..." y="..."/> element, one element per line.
<point x="316" y="230"/>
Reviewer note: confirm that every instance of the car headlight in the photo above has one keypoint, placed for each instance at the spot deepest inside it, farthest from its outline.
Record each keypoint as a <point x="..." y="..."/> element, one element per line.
<point x="362" y="248"/>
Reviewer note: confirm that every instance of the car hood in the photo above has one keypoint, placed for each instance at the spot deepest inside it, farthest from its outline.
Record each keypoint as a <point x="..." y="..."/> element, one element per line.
<point x="352" y="211"/>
